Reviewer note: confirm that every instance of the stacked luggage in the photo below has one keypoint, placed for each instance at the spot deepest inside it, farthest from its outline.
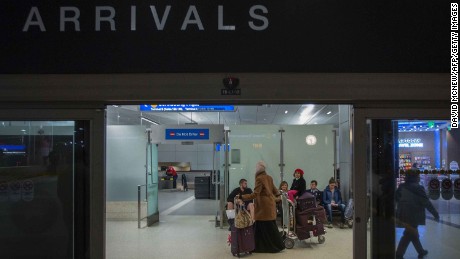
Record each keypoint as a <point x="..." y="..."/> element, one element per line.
<point x="308" y="220"/>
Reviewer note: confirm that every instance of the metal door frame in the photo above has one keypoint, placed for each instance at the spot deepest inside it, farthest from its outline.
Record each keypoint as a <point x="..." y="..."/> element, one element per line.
<point x="94" y="240"/>
<point x="360" y="143"/>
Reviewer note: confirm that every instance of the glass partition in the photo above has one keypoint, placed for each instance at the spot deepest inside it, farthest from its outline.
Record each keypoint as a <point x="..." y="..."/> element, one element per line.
<point x="152" y="184"/>
<point x="254" y="143"/>
<point x="37" y="165"/>
<point x="414" y="189"/>
<point x="310" y="148"/>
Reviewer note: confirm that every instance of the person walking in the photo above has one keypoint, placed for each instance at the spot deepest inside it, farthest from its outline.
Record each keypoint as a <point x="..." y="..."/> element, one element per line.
<point x="411" y="202"/>
<point x="267" y="237"/>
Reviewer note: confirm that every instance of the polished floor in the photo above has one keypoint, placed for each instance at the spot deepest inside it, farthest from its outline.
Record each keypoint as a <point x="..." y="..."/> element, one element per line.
<point x="187" y="230"/>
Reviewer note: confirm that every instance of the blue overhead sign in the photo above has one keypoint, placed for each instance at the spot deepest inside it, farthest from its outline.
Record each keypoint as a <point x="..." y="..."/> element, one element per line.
<point x="7" y="148"/>
<point x="186" y="108"/>
<point x="186" y="134"/>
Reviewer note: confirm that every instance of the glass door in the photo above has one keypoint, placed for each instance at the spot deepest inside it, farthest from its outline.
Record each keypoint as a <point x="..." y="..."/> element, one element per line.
<point x="45" y="168"/>
<point x="405" y="174"/>
<point x="152" y="183"/>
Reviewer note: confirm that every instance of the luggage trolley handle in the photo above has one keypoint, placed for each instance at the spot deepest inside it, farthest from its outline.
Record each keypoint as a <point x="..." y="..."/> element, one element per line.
<point x="238" y="206"/>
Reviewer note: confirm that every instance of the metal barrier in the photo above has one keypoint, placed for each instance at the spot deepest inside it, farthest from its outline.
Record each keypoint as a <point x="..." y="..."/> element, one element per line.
<point x="139" y="205"/>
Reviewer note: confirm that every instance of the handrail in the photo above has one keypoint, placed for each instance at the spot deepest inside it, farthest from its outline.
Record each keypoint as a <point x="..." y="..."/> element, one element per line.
<point x="139" y="205"/>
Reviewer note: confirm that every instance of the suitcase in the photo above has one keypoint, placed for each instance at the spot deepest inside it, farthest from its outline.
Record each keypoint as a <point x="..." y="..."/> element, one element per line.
<point x="349" y="209"/>
<point x="306" y="201"/>
<point x="242" y="240"/>
<point x="303" y="223"/>
<point x="320" y="214"/>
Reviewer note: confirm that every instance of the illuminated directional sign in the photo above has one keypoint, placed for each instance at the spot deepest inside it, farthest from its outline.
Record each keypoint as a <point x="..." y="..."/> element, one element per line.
<point x="186" y="107"/>
<point x="182" y="134"/>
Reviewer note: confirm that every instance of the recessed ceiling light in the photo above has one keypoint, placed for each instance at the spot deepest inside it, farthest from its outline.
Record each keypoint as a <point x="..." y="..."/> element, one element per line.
<point x="285" y="111"/>
<point x="329" y="112"/>
<point x="23" y="130"/>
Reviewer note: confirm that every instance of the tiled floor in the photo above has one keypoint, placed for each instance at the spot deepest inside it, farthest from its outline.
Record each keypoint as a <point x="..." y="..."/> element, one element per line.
<point x="188" y="231"/>
<point x="196" y="237"/>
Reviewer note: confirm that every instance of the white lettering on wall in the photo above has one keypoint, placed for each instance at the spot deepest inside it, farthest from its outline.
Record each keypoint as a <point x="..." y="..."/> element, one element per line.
<point x="30" y="20"/>
<point x="221" y="25"/>
<point x="192" y="11"/>
<point x="252" y="13"/>
<point x="160" y="24"/>
<point x="63" y="18"/>
<point x="106" y="14"/>
<point x="109" y="18"/>
<point x="133" y="17"/>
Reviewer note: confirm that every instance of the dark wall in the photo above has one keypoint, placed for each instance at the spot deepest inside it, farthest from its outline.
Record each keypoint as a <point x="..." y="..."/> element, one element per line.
<point x="301" y="36"/>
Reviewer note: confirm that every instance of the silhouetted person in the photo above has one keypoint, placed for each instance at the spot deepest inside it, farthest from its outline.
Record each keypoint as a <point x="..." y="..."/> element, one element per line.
<point x="412" y="201"/>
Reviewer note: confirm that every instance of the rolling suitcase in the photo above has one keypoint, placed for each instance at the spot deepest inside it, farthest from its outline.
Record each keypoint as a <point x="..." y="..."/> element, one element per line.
<point x="242" y="240"/>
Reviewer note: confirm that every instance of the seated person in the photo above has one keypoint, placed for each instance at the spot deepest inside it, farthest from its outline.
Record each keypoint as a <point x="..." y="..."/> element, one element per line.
<point x="332" y="198"/>
<point x="243" y="189"/>
<point x="315" y="191"/>
<point x="279" y="206"/>
<point x="299" y="185"/>
<point x="284" y="186"/>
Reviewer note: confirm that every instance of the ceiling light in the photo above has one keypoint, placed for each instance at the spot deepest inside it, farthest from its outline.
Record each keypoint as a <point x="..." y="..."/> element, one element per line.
<point x="285" y="111"/>
<point x="315" y="123"/>
<point x="306" y="113"/>
<point x="329" y="112"/>
<point x="23" y="130"/>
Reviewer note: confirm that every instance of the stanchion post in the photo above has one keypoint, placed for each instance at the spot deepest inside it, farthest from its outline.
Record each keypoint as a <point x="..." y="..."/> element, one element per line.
<point x="138" y="206"/>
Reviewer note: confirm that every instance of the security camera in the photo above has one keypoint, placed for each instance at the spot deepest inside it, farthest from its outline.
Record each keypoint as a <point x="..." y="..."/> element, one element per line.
<point x="231" y="82"/>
